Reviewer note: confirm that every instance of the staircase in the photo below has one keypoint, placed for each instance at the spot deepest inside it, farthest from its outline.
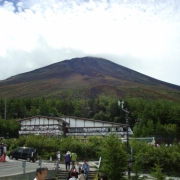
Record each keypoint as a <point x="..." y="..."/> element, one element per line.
<point x="62" y="175"/>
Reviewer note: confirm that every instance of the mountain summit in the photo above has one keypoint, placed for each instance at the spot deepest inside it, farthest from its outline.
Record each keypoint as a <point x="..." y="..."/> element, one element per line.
<point x="90" y="75"/>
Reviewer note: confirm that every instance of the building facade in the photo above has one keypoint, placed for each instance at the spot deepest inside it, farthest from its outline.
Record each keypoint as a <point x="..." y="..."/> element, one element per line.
<point x="70" y="126"/>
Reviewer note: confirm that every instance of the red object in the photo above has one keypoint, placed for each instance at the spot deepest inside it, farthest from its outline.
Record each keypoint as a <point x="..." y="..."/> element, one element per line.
<point x="2" y="158"/>
<point x="74" y="170"/>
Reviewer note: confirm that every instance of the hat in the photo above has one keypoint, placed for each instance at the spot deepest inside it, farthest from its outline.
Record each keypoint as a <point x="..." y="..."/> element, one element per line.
<point x="58" y="151"/>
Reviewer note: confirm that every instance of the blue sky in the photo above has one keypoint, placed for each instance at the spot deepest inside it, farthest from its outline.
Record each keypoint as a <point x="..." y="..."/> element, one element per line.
<point x="143" y="35"/>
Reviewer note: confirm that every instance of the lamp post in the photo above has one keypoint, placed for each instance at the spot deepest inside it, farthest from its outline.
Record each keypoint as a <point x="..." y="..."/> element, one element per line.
<point x="127" y="136"/>
<point x="7" y="135"/>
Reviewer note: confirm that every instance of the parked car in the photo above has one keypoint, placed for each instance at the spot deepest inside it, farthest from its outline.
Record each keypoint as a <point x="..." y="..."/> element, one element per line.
<point x="28" y="153"/>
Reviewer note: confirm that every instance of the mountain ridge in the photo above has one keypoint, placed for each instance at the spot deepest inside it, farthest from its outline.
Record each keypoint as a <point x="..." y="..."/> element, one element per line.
<point x="77" y="73"/>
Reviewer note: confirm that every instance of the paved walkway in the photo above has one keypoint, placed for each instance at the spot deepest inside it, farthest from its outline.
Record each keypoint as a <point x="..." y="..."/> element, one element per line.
<point x="14" y="167"/>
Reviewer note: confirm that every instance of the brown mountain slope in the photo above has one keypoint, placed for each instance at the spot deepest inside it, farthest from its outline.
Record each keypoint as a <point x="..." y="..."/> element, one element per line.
<point x="88" y="76"/>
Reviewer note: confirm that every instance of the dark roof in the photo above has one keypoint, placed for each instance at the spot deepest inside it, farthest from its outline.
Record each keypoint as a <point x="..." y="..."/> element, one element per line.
<point x="60" y="119"/>
<point x="113" y="123"/>
<point x="39" y="116"/>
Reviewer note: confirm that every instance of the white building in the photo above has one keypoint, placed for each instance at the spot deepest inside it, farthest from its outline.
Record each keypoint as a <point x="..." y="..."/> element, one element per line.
<point x="70" y="126"/>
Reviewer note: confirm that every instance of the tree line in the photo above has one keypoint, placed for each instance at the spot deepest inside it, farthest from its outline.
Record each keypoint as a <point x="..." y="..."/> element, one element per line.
<point x="146" y="117"/>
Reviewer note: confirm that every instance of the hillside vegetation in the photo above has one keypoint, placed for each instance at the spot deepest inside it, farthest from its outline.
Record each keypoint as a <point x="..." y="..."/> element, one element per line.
<point x="154" y="117"/>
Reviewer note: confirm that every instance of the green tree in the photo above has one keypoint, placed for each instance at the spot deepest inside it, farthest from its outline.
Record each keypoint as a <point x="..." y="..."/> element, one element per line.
<point x="157" y="172"/>
<point x="137" y="168"/>
<point x="114" y="158"/>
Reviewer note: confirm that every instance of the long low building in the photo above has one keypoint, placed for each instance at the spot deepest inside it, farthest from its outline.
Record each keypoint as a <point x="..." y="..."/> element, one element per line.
<point x="70" y="126"/>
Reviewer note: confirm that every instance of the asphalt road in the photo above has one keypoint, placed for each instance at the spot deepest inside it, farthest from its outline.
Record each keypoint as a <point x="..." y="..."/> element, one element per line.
<point x="13" y="167"/>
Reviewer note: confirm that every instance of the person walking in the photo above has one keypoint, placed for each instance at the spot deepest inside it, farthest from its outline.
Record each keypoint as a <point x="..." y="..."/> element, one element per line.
<point x="4" y="151"/>
<point x="41" y="173"/>
<point x="82" y="176"/>
<point x="67" y="159"/>
<point x="85" y="167"/>
<point x="73" y="158"/>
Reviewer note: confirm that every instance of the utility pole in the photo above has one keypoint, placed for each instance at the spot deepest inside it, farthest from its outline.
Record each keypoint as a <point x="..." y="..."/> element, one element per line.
<point x="5" y="109"/>
<point x="127" y="136"/>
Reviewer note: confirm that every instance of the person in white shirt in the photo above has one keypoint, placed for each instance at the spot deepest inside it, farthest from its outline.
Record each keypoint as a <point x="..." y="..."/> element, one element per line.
<point x="41" y="173"/>
<point x="58" y="157"/>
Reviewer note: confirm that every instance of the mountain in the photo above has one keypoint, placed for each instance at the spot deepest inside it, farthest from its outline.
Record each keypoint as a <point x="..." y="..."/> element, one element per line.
<point x="86" y="77"/>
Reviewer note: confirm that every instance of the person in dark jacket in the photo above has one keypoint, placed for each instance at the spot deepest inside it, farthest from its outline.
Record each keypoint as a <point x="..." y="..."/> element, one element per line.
<point x="69" y="175"/>
<point x="67" y="159"/>
<point x="1" y="149"/>
<point x="103" y="177"/>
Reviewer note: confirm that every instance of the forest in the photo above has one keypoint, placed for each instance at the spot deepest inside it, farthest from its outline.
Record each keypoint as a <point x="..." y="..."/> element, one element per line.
<point x="146" y="117"/>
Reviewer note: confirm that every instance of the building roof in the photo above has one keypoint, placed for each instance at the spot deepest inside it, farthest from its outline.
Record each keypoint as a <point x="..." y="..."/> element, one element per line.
<point x="70" y="117"/>
<point x="109" y="122"/>
<point x="39" y="116"/>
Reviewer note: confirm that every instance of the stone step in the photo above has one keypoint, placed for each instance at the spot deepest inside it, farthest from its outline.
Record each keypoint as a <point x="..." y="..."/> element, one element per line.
<point x="62" y="175"/>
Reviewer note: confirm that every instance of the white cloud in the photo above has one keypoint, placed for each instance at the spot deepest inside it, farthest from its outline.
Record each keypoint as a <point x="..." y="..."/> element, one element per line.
<point x="141" y="35"/>
<point x="8" y="6"/>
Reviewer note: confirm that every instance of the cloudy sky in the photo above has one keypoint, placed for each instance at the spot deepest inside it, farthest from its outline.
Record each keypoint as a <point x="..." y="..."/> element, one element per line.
<point x="143" y="35"/>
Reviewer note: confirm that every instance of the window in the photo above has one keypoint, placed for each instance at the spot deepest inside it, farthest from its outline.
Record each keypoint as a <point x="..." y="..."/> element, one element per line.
<point x="32" y="150"/>
<point x="19" y="150"/>
<point x="25" y="150"/>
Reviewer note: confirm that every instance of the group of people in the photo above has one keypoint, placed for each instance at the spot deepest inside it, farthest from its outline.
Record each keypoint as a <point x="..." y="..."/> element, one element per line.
<point x="41" y="174"/>
<point x="2" y="152"/>
<point x="72" y="175"/>
<point x="79" y="172"/>
<point x="76" y="172"/>
<point x="68" y="158"/>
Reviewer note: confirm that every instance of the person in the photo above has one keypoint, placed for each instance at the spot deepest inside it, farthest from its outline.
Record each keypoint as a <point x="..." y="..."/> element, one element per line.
<point x="76" y="167"/>
<point x="1" y="149"/>
<point x="73" y="158"/>
<point x="4" y="150"/>
<point x="56" y="164"/>
<point x="69" y="175"/>
<point x="67" y="159"/>
<point x="82" y="176"/>
<point x="41" y="173"/>
<point x="103" y="177"/>
<point x="73" y="176"/>
<point x="85" y="167"/>
<point x="58" y="158"/>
